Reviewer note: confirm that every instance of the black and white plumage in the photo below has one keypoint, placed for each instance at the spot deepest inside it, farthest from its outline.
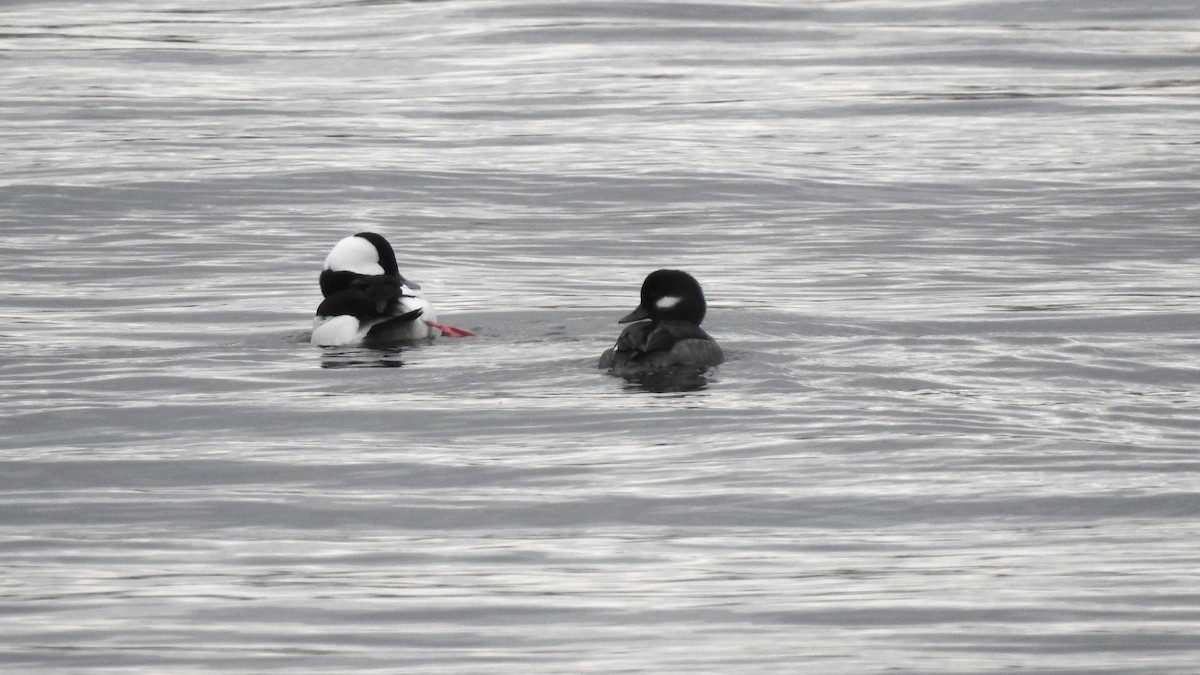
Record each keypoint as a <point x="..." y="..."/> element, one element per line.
<point x="667" y="333"/>
<point x="366" y="298"/>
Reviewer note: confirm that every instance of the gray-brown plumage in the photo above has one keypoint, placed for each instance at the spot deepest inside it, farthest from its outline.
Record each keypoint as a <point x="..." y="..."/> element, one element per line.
<point x="667" y="333"/>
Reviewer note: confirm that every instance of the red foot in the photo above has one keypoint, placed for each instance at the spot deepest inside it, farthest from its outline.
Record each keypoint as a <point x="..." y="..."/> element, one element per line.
<point x="449" y="331"/>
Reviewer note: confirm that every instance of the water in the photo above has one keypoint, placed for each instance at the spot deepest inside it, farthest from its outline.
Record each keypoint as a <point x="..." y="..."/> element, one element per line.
<point x="951" y="250"/>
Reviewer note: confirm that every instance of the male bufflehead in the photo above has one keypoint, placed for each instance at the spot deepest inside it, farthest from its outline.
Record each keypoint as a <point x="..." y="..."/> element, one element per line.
<point x="366" y="298"/>
<point x="672" y="338"/>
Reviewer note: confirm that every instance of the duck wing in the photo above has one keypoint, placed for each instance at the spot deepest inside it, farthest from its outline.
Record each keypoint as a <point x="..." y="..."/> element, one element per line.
<point x="664" y="335"/>
<point x="633" y="338"/>
<point x="366" y="298"/>
<point x="394" y="321"/>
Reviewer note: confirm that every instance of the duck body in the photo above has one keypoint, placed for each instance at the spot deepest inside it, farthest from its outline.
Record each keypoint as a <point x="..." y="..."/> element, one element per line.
<point x="664" y="332"/>
<point x="669" y="345"/>
<point x="371" y="309"/>
<point x="366" y="297"/>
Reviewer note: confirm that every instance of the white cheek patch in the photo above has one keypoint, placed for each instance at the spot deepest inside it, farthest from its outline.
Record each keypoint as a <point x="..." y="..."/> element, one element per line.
<point x="354" y="254"/>
<point x="667" y="302"/>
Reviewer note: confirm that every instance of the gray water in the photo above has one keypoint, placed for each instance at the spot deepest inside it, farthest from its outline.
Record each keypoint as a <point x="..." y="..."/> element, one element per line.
<point x="952" y="251"/>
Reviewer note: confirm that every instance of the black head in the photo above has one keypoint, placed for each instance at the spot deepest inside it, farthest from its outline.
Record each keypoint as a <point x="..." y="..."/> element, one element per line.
<point x="387" y="257"/>
<point x="670" y="294"/>
<point x="363" y="254"/>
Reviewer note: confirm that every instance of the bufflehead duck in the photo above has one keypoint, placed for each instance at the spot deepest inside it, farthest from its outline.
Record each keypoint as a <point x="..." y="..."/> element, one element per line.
<point x="672" y="338"/>
<point x="366" y="298"/>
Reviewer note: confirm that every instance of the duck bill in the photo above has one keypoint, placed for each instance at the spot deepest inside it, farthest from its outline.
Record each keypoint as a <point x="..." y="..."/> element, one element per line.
<point x="636" y="315"/>
<point x="408" y="289"/>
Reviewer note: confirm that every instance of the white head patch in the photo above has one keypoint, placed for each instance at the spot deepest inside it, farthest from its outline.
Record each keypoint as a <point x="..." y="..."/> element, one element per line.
<point x="667" y="302"/>
<point x="354" y="254"/>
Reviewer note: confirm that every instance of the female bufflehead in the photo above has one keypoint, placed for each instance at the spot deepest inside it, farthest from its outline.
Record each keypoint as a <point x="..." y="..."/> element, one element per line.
<point x="366" y="298"/>
<point x="672" y="338"/>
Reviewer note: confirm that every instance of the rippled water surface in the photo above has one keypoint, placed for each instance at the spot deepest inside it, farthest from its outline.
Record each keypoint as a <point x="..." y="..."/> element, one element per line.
<point x="951" y="249"/>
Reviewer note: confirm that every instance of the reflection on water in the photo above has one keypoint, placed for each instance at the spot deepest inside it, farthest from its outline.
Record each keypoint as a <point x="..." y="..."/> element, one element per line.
<point x="361" y="357"/>
<point x="663" y="382"/>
